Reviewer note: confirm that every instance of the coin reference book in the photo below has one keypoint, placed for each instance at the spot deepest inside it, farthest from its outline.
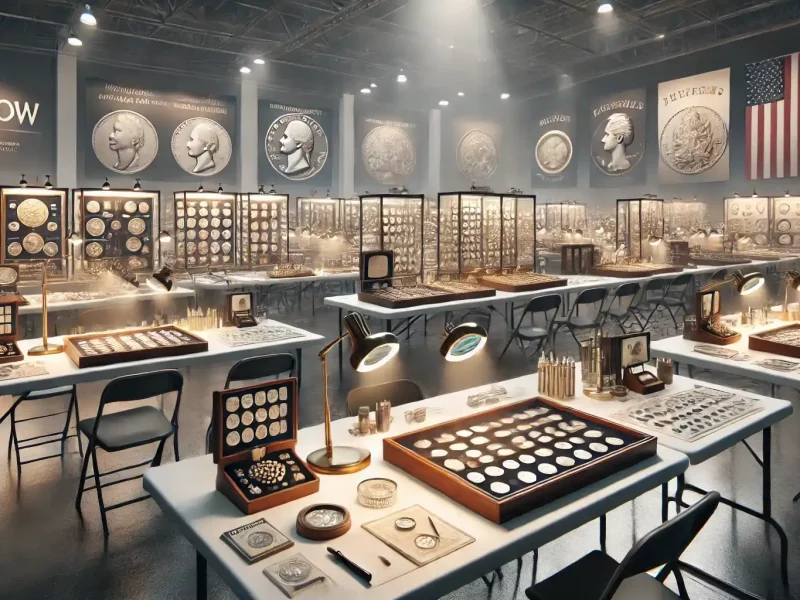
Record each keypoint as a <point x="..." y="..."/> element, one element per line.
<point x="506" y="461"/>
<point x="118" y="225"/>
<point x="127" y="345"/>
<point x="254" y="433"/>
<point x="256" y="541"/>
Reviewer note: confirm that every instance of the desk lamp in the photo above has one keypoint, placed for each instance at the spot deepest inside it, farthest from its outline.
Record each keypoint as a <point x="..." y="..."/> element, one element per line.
<point x="793" y="282"/>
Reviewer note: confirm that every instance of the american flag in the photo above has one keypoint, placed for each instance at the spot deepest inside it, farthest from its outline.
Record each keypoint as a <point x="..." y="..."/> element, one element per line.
<point x="772" y="116"/>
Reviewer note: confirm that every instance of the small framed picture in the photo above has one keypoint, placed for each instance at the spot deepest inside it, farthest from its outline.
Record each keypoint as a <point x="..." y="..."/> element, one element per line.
<point x="634" y="349"/>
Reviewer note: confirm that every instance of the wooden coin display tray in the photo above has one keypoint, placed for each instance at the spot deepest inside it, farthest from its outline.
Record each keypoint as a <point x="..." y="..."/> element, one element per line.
<point x="717" y="259"/>
<point x="506" y="461"/>
<point x="287" y="271"/>
<point x="624" y="270"/>
<point x="521" y="282"/>
<point x="205" y="230"/>
<point x="464" y="290"/>
<point x="118" y="225"/>
<point x="34" y="224"/>
<point x="784" y="341"/>
<point x="112" y="347"/>
<point x="264" y="236"/>
<point x="406" y="296"/>
<point x="254" y="432"/>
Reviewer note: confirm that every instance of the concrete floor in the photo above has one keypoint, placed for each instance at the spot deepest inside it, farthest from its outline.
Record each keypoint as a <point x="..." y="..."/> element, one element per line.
<point x="47" y="551"/>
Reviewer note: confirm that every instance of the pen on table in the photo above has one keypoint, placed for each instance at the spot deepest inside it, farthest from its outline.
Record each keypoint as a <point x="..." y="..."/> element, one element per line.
<point x="436" y="531"/>
<point x="354" y="568"/>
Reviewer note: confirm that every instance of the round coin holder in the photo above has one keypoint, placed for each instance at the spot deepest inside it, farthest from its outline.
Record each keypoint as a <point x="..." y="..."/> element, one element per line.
<point x="377" y="493"/>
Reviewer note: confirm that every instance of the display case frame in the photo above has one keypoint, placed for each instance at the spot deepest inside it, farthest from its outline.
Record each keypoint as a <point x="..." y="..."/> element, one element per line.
<point x="684" y="215"/>
<point x="738" y="209"/>
<point x="628" y="223"/>
<point x="147" y="253"/>
<point x="471" y="213"/>
<point x="515" y="247"/>
<point x="277" y="212"/>
<point x="785" y="222"/>
<point x="380" y="236"/>
<point x="182" y="242"/>
<point x="30" y="264"/>
<point x="563" y="216"/>
<point x="341" y="226"/>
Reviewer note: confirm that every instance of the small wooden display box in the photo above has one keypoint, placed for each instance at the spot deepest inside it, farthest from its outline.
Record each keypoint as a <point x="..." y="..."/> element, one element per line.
<point x="9" y="310"/>
<point x="576" y="259"/>
<point x="707" y="311"/>
<point x="505" y="493"/>
<point x="255" y="427"/>
<point x="405" y="296"/>
<point x="127" y="345"/>
<point x="522" y="282"/>
<point x="633" y="270"/>
<point x="784" y="341"/>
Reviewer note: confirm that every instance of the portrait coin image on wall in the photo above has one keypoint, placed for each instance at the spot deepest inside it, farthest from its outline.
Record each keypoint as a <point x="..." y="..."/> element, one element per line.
<point x="477" y="155"/>
<point x="693" y="140"/>
<point x="615" y="148"/>
<point x="124" y="141"/>
<point x="389" y="155"/>
<point x="553" y="152"/>
<point x="201" y="146"/>
<point x="296" y="146"/>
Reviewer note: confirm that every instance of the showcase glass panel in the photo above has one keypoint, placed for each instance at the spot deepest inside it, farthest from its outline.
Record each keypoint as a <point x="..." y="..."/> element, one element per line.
<point x="682" y="218"/>
<point x="747" y="221"/>
<point x="470" y="232"/>
<point x="391" y="222"/>
<point x="638" y="221"/>
<point x="264" y="227"/>
<point x="206" y="226"/>
<point x="785" y="230"/>
<point x="519" y="231"/>
<point x="324" y="236"/>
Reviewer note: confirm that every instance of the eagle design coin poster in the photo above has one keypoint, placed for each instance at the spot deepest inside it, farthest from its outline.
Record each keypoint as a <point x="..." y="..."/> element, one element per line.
<point x="554" y="134"/>
<point x="693" y="128"/>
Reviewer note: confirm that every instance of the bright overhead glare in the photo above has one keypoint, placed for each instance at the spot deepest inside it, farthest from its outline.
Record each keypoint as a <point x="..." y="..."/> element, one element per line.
<point x="461" y="94"/>
<point x="565" y="75"/>
<point x="87" y="18"/>
<point x="373" y="85"/>
<point x="401" y="78"/>
<point x="366" y="91"/>
<point x="74" y="40"/>
<point x="505" y="96"/>
<point x="660" y="36"/>
<point x="605" y="7"/>
<point x="258" y="61"/>
<point x="444" y="103"/>
<point x="244" y="70"/>
<point x="451" y="46"/>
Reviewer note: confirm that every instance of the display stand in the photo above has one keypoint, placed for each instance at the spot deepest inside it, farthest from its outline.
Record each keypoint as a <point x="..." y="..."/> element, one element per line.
<point x="395" y="222"/>
<point x="785" y="222"/>
<point x="576" y="259"/>
<point x="748" y="217"/>
<point x="263" y="229"/>
<point x="639" y="220"/>
<point x="327" y="233"/>
<point x="205" y="230"/>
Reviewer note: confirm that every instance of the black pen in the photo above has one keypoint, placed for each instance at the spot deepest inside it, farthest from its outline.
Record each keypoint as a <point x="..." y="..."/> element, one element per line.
<point x="354" y="568"/>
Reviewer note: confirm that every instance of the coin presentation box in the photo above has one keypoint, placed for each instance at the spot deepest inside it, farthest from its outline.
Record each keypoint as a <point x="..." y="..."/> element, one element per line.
<point x="254" y="433"/>
<point x="708" y="327"/>
<point x="639" y="269"/>
<point x="504" y="462"/>
<point x="112" y="347"/>
<point x="34" y="228"/>
<point x="118" y="225"/>
<point x="239" y="309"/>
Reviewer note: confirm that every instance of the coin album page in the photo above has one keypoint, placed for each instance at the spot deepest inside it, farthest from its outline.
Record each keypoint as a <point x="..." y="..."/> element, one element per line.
<point x="33" y="222"/>
<point x="119" y="226"/>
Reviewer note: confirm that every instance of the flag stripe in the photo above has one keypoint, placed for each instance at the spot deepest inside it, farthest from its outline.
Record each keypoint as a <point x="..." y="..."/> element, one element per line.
<point x="760" y="144"/>
<point x="773" y="140"/>
<point x="787" y="119"/>
<point x="748" y="140"/>
<point x="793" y="116"/>
<point x="778" y="138"/>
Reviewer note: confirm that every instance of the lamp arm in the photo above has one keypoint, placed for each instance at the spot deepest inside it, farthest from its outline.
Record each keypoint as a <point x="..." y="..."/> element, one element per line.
<point x="326" y="350"/>
<point x="716" y="285"/>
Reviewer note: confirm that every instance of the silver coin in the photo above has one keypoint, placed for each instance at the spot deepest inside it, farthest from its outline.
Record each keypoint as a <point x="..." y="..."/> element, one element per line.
<point x="598" y="447"/>
<point x="52" y="226"/>
<point x="614" y="441"/>
<point x="426" y="542"/>
<point x="438" y="453"/>
<point x="389" y="155"/>
<point x="479" y="428"/>
<point x="405" y="523"/>
<point x="547" y="469"/>
<point x="125" y="141"/>
<point x="486" y="459"/>
<point x="33" y="243"/>
<point x="247" y="435"/>
<point x="526" y="459"/>
<point x="294" y="571"/>
<point x="582" y="454"/>
<point x="232" y="422"/>
<point x="296" y="146"/>
<point x="510" y="464"/>
<point x="130" y="206"/>
<point x="479" y="441"/>
<point x="693" y="140"/>
<point x="93" y="249"/>
<point x="93" y="206"/>
<point x="473" y="453"/>
<point x="422" y="444"/>
<point x="493" y="471"/>
<point x="477" y="155"/>
<point x="505" y="452"/>
<point x="553" y="152"/>
<point x="50" y="249"/>
<point x="563" y="445"/>
<point x="565" y="461"/>
<point x="576" y="440"/>
<point x="260" y="539"/>
<point x="454" y="465"/>
<point x="13" y="226"/>
<point x="476" y="477"/>
<point x="201" y="146"/>
<point x="15" y="249"/>
<point x="8" y="275"/>
<point x="458" y="447"/>
<point x="233" y="438"/>
<point x="116" y="225"/>
<point x="498" y="487"/>
<point x="593" y="433"/>
<point x="526" y="477"/>
<point x="543" y="452"/>
<point x="95" y="227"/>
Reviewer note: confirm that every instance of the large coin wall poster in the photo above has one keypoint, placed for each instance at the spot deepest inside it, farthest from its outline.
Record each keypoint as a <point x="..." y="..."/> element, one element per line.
<point x="618" y="123"/>
<point x="158" y="135"/>
<point x="693" y="128"/>
<point x="553" y="145"/>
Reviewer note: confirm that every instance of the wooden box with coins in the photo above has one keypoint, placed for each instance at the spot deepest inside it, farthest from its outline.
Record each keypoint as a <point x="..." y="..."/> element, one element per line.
<point x="34" y="223"/>
<point x="205" y="230"/>
<point x="9" y="306"/>
<point x="254" y="433"/>
<point x="117" y="225"/>
<point x="264" y="229"/>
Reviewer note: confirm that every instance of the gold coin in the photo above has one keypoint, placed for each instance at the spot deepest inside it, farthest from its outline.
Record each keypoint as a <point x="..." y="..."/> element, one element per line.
<point x="133" y="244"/>
<point x="51" y="249"/>
<point x="202" y="248"/>
<point x="93" y="206"/>
<point x="137" y="263"/>
<point x="116" y="225"/>
<point x="130" y="206"/>
<point x="94" y="250"/>
<point x="15" y="249"/>
<point x="95" y="227"/>
<point x="33" y="243"/>
<point x="144" y="208"/>
<point x="32" y="213"/>
<point x="52" y="226"/>
<point x="136" y="226"/>
<point x="8" y="275"/>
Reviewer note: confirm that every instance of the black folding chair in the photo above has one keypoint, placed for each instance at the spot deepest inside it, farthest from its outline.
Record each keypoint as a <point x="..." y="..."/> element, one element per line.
<point x="402" y="391"/>
<point x="129" y="428"/>
<point x="624" y="297"/>
<point x="255" y="369"/>
<point x="543" y="305"/>
<point x="672" y="299"/>
<point x="590" y="300"/>
<point x="597" y="576"/>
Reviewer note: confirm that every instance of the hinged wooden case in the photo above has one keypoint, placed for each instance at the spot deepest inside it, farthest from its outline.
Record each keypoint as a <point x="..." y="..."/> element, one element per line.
<point x="237" y="417"/>
<point x="761" y="341"/>
<point x="239" y="309"/>
<point x="9" y="333"/>
<point x="707" y="308"/>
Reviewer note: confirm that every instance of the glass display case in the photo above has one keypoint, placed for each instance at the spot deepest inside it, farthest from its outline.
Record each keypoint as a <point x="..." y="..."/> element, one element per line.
<point x="327" y="234"/>
<point x="263" y="225"/>
<point x="34" y="230"/>
<point x="748" y="219"/>
<point x="205" y="230"/>
<point x="394" y="222"/>
<point x="684" y="217"/>
<point x="563" y="216"/>
<point x="519" y="231"/>
<point x="785" y="220"/>
<point x="640" y="226"/>
<point x="116" y="225"/>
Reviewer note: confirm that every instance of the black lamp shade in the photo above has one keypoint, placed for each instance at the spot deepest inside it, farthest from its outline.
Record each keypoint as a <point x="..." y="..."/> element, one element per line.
<point x="463" y="342"/>
<point x="160" y="281"/>
<point x="370" y="351"/>
<point x="747" y="284"/>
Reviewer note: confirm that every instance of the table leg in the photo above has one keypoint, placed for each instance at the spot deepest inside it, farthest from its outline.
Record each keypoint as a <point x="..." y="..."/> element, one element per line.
<point x="677" y="368"/>
<point x="389" y="325"/>
<point x="341" y="352"/>
<point x="299" y="353"/>
<point x="774" y="390"/>
<point x="202" y="577"/>
<point x="603" y="533"/>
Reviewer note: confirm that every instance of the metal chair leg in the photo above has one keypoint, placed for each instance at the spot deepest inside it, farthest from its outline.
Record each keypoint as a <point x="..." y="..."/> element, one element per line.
<point x="99" y="492"/>
<point x="16" y="442"/>
<point x="82" y="480"/>
<point x="175" y="445"/>
<point x="77" y="420"/>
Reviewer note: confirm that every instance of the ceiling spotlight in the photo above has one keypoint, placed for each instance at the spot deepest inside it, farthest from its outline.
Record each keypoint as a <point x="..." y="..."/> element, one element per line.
<point x="505" y="96"/>
<point x="452" y="46"/>
<point x="373" y="85"/>
<point x="258" y="61"/>
<point x="137" y="187"/>
<point x="460" y="94"/>
<point x="660" y="36"/>
<point x="401" y="78"/>
<point x="244" y="70"/>
<point x="565" y="75"/>
<point x="444" y="103"/>
<point x="74" y="40"/>
<point x="87" y="18"/>
<point x="604" y="8"/>
<point x="366" y="91"/>
<point x="106" y="186"/>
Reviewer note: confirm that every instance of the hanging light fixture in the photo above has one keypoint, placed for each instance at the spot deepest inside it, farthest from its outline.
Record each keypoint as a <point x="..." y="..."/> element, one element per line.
<point x="219" y="189"/>
<point x="87" y="18"/>
<point x="48" y="185"/>
<point x="605" y="8"/>
<point x="244" y="69"/>
<point x="401" y="78"/>
<point x="259" y="61"/>
<point x="505" y="96"/>
<point x="106" y="186"/>
<point x="73" y="39"/>
<point x="23" y="182"/>
<point x="137" y="187"/>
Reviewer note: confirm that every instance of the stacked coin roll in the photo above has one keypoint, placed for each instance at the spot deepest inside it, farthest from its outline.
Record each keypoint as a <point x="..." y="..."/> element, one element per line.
<point x="557" y="377"/>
